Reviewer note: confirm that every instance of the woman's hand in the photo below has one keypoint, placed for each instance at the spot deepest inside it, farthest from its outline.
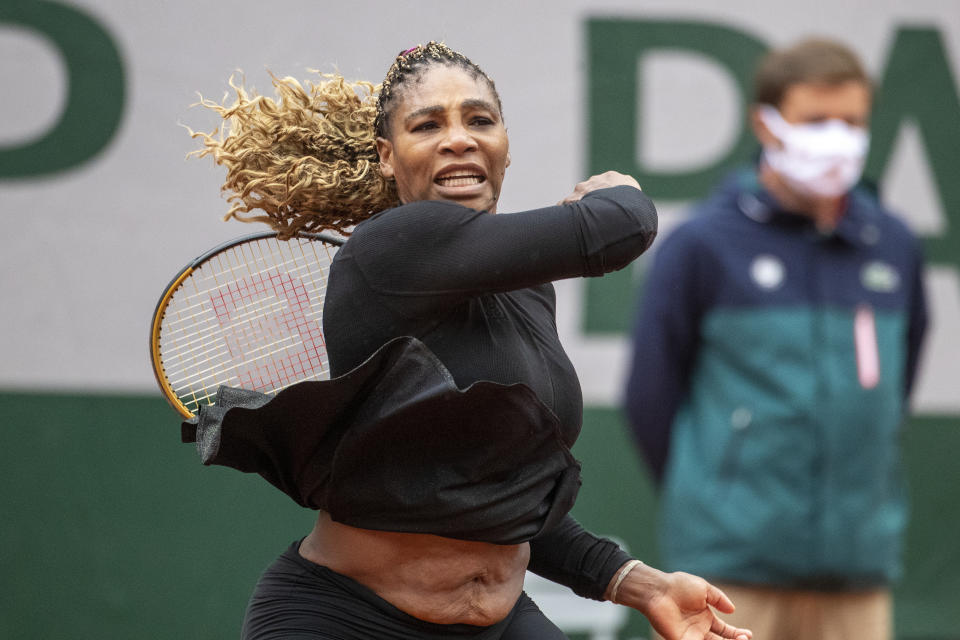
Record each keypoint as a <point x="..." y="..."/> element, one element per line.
<point x="678" y="605"/>
<point x="602" y="181"/>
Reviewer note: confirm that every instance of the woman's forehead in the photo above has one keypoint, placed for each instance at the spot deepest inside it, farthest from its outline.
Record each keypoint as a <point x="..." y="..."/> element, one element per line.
<point x="445" y="86"/>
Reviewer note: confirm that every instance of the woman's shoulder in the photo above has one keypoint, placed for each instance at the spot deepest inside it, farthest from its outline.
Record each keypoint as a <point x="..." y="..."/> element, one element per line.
<point x="412" y="212"/>
<point x="391" y="237"/>
<point x="411" y="228"/>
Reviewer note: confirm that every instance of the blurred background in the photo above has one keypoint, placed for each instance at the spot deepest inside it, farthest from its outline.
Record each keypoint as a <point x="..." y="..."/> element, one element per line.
<point x="109" y="527"/>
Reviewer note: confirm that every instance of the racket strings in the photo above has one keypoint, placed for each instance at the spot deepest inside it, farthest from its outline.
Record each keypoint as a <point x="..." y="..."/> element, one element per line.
<point x="215" y="276"/>
<point x="251" y="317"/>
<point x="258" y="357"/>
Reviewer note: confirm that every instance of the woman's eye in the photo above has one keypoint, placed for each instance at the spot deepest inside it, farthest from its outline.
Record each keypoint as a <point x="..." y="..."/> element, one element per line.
<point x="482" y="121"/>
<point x="425" y="126"/>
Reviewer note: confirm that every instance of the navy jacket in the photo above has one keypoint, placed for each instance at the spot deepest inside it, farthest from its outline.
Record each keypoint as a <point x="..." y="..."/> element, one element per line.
<point x="770" y="371"/>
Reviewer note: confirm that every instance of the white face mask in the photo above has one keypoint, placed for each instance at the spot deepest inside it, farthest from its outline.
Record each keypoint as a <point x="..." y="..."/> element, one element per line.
<point x="819" y="158"/>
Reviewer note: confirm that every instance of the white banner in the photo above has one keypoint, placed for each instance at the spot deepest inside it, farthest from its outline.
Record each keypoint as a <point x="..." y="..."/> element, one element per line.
<point x="88" y="247"/>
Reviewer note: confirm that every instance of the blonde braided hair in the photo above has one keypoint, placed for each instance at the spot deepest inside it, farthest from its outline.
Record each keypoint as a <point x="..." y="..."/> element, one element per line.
<point x="307" y="158"/>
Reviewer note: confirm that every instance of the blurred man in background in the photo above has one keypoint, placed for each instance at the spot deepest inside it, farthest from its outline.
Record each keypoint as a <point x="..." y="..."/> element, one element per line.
<point x="774" y="351"/>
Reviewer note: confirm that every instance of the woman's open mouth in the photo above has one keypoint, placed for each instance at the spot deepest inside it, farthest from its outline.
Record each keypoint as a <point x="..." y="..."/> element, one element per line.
<point x="460" y="180"/>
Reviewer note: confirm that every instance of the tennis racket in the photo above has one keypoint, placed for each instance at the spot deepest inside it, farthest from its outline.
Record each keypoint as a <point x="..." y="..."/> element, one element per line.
<point x="246" y="314"/>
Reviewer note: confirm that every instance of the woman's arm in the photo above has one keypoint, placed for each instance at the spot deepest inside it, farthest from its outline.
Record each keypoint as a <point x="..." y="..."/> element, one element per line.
<point x="678" y="605"/>
<point x="570" y="555"/>
<point x="447" y="251"/>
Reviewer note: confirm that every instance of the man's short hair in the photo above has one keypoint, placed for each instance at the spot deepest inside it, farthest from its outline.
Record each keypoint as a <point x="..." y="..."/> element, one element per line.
<point x="814" y="60"/>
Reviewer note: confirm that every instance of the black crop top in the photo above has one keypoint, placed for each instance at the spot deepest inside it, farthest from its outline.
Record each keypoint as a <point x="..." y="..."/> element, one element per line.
<point x="476" y="288"/>
<point x="460" y="422"/>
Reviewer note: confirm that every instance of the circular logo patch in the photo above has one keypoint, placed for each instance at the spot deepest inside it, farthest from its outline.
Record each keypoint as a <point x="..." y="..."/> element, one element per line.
<point x="880" y="276"/>
<point x="768" y="271"/>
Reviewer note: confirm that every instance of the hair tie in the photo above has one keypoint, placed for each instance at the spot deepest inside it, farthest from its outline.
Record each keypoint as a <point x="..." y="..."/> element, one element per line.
<point x="405" y="52"/>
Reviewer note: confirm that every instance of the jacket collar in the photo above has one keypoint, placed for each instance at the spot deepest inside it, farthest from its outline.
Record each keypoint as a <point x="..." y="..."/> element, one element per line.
<point x="855" y="226"/>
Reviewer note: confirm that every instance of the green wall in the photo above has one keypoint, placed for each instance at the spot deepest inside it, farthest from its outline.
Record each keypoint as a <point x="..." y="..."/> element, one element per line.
<point x="112" y="529"/>
<point x="617" y="498"/>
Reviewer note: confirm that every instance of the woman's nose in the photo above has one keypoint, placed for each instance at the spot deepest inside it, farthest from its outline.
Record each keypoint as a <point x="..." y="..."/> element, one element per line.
<point x="459" y="140"/>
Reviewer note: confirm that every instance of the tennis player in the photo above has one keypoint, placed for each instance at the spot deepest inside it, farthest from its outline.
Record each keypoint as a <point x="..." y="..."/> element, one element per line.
<point x="438" y="455"/>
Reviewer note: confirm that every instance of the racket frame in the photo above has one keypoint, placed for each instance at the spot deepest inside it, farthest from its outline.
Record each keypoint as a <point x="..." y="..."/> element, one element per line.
<point x="158" y="313"/>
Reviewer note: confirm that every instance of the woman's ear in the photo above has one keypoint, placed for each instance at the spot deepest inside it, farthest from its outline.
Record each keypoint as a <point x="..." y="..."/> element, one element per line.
<point x="385" y="151"/>
<point x="508" y="160"/>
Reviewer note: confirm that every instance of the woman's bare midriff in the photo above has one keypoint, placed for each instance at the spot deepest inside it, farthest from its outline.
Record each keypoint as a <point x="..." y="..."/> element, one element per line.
<point x="432" y="578"/>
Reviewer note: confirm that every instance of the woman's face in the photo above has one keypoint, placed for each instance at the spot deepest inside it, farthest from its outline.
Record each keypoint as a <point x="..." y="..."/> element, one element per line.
<point x="446" y="141"/>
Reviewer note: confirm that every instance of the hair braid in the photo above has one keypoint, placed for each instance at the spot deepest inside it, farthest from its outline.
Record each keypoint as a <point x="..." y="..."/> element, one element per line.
<point x="409" y="65"/>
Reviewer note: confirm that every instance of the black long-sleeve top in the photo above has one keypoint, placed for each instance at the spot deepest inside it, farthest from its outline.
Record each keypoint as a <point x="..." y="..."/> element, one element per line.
<point x="452" y="407"/>
<point x="476" y="289"/>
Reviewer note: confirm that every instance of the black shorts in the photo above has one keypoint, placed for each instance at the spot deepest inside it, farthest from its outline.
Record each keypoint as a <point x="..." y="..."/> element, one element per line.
<point x="296" y="599"/>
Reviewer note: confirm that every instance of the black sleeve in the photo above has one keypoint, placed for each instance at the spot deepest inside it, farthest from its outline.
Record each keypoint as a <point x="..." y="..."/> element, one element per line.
<point x="570" y="555"/>
<point x="444" y="250"/>
<point x="919" y="320"/>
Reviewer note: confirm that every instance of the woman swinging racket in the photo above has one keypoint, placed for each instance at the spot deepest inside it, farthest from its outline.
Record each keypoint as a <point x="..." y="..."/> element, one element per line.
<point x="438" y="454"/>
